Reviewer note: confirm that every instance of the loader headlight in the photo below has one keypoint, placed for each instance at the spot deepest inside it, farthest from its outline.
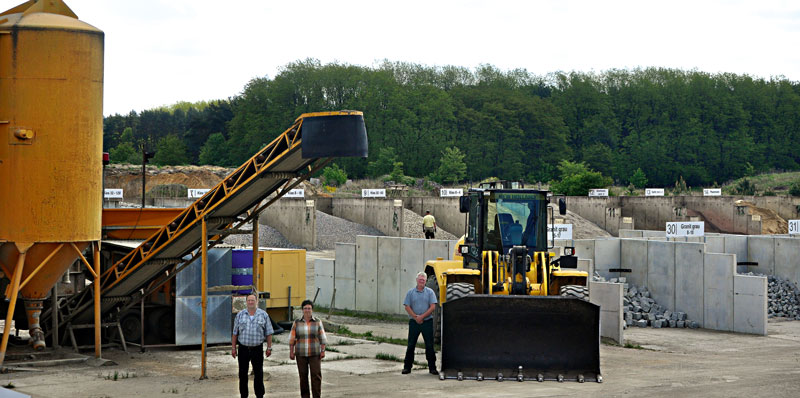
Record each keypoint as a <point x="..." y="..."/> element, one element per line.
<point x="464" y="249"/>
<point x="569" y="251"/>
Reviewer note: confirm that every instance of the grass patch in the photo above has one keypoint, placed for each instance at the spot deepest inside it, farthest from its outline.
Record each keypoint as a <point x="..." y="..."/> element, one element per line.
<point x="345" y="357"/>
<point x="118" y="375"/>
<point x="634" y="346"/>
<point x="331" y="349"/>
<point x="344" y="331"/>
<point x="389" y="357"/>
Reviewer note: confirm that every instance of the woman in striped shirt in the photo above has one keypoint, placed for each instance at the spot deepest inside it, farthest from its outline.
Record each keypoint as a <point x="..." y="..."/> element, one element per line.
<point x="307" y="343"/>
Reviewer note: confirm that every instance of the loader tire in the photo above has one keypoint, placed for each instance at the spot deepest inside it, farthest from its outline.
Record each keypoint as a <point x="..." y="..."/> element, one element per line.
<point x="458" y="290"/>
<point x="433" y="284"/>
<point x="576" y="291"/>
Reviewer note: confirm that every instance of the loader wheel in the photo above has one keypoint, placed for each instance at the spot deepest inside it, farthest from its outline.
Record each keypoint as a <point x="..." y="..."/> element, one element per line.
<point x="576" y="291"/>
<point x="433" y="284"/>
<point x="458" y="290"/>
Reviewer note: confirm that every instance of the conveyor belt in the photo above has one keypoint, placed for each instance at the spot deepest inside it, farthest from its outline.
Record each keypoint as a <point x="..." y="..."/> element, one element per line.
<point x="310" y="143"/>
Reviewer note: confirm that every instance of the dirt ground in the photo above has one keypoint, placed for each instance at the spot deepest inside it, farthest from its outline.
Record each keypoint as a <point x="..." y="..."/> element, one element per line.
<point x="670" y="362"/>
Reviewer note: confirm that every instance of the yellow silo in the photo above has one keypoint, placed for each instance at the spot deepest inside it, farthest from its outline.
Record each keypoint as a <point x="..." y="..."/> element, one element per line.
<point x="51" y="132"/>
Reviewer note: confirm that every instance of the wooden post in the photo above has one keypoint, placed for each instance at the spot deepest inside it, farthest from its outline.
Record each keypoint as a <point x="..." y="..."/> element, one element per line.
<point x="204" y="296"/>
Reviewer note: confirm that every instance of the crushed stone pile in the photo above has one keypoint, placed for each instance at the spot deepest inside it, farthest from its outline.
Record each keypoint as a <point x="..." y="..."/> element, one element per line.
<point x="267" y="237"/>
<point x="332" y="230"/>
<point x="412" y="225"/>
<point x="783" y="297"/>
<point x="641" y="309"/>
<point x="581" y="227"/>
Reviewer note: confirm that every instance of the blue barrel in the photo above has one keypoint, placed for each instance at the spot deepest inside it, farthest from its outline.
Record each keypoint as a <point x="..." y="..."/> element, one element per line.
<point x="242" y="272"/>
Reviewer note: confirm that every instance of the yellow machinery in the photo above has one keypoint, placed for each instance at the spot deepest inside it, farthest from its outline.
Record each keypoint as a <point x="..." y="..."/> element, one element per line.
<point x="51" y="132"/>
<point x="282" y="273"/>
<point x="518" y="325"/>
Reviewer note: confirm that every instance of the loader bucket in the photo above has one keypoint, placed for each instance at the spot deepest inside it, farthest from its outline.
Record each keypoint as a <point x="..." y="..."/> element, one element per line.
<point x="484" y="336"/>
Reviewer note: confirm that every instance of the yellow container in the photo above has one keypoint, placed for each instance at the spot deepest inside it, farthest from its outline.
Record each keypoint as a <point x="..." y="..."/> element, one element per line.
<point x="279" y="269"/>
<point x="51" y="139"/>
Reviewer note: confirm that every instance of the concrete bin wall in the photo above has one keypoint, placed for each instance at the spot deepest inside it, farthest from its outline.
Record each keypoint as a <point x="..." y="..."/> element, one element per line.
<point x="296" y="219"/>
<point x="609" y="297"/>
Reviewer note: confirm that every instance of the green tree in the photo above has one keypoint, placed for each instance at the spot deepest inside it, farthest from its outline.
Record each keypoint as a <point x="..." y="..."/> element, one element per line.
<point x="638" y="179"/>
<point x="214" y="151"/>
<point x="577" y="179"/>
<point x="384" y="162"/>
<point x="452" y="168"/>
<point x="170" y="151"/>
<point x="333" y="176"/>
<point x="125" y="153"/>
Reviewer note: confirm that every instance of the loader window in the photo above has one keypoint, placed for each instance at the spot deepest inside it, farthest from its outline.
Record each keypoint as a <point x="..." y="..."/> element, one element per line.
<point x="513" y="220"/>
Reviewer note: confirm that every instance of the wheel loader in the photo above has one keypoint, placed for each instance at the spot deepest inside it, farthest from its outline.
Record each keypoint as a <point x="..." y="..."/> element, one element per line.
<point x="508" y="309"/>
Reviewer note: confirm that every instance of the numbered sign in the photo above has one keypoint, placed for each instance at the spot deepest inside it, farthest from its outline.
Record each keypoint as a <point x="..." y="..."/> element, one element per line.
<point x="685" y="228"/>
<point x="598" y="192"/>
<point x="654" y="192"/>
<point x="373" y="193"/>
<point x="446" y="193"/>
<point x="794" y="227"/>
<point x="113" y="193"/>
<point x="297" y="193"/>
<point x="197" y="193"/>
<point x="559" y="231"/>
<point x="712" y="192"/>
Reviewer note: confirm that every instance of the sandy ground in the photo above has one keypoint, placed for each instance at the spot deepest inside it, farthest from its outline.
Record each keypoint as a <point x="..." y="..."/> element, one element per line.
<point x="672" y="362"/>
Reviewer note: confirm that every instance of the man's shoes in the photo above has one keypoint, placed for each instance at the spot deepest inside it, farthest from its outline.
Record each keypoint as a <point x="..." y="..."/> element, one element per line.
<point x="433" y="372"/>
<point x="406" y="371"/>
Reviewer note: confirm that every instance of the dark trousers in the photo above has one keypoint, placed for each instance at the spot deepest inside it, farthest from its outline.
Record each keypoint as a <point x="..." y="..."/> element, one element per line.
<point x="429" y="234"/>
<point x="304" y="364"/>
<point x="414" y="329"/>
<point x="246" y="356"/>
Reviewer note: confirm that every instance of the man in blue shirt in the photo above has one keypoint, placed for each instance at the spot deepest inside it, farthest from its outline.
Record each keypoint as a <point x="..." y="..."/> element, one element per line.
<point x="250" y="328"/>
<point x="420" y="302"/>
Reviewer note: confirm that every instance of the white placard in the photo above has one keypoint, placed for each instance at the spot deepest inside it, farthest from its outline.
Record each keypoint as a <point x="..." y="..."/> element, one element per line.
<point x="373" y="193"/>
<point x="598" y="192"/>
<point x="197" y="193"/>
<point x="297" y="193"/>
<point x="794" y="227"/>
<point x="685" y="228"/>
<point x="446" y="193"/>
<point x="712" y="191"/>
<point x="561" y="231"/>
<point x="654" y="192"/>
<point x="113" y="193"/>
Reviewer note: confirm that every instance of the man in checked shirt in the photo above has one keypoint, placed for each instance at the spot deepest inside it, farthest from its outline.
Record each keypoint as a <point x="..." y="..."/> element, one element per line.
<point x="250" y="328"/>
<point x="307" y="342"/>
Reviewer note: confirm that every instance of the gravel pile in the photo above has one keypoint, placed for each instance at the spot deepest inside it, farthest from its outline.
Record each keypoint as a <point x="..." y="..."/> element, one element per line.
<point x="412" y="224"/>
<point x="642" y="311"/>
<point x="332" y="230"/>
<point x="783" y="297"/>
<point x="267" y="237"/>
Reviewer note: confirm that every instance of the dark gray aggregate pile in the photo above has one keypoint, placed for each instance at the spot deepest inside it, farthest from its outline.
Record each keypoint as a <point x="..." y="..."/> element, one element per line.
<point x="332" y="230"/>
<point x="267" y="237"/>
<point x="641" y="309"/>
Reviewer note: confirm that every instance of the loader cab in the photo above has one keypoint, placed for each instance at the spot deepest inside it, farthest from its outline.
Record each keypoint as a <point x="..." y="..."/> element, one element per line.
<point x="499" y="219"/>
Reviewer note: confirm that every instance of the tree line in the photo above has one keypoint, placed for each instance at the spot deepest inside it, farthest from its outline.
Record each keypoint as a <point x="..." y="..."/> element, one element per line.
<point x="660" y="123"/>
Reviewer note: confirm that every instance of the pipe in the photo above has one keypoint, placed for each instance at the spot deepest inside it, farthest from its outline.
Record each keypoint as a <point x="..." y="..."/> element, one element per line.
<point x="256" y="274"/>
<point x="15" y="280"/>
<point x="204" y="296"/>
<point x="97" y="343"/>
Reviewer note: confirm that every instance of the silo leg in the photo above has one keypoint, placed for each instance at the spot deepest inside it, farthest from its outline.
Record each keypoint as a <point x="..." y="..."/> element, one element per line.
<point x="15" y="281"/>
<point x="97" y="342"/>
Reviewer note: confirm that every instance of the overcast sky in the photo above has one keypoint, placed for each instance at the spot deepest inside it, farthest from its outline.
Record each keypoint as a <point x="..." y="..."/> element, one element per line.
<point x="158" y="52"/>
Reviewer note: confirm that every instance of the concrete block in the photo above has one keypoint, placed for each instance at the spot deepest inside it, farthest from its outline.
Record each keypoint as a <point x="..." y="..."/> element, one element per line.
<point x="653" y="234"/>
<point x="434" y="249"/>
<point x="584" y="248"/>
<point x="323" y="280"/>
<point x="367" y="273"/>
<point x="587" y="266"/>
<point x="411" y="262"/>
<point x="761" y="249"/>
<point x="609" y="297"/>
<point x="661" y="272"/>
<point x="736" y="244"/>
<point x="715" y="244"/>
<point x="344" y="279"/>
<point x="633" y="256"/>
<point x="388" y="279"/>
<point x="630" y="233"/>
<point x="787" y="264"/>
<point x="689" y="258"/>
<point x="606" y="256"/>
<point x="750" y="304"/>
<point x="719" y="270"/>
